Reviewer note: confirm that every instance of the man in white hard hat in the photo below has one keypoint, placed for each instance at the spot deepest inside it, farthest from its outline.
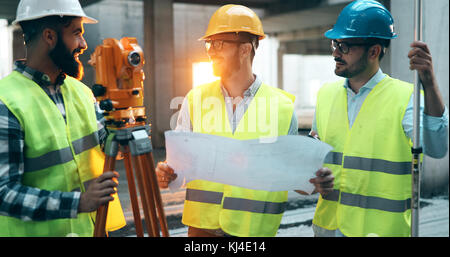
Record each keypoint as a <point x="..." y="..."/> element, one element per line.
<point x="50" y="158"/>
<point x="214" y="209"/>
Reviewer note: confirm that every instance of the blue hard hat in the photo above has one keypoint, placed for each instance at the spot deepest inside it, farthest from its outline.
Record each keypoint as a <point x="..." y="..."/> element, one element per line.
<point x="362" y="19"/>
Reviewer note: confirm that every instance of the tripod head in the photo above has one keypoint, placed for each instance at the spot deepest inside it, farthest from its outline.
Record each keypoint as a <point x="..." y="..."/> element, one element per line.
<point x="119" y="81"/>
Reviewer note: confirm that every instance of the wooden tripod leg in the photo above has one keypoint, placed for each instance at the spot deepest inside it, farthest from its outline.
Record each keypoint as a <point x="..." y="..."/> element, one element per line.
<point x="141" y="160"/>
<point x="144" y="196"/>
<point x="133" y="193"/>
<point x="100" y="219"/>
<point x="150" y="167"/>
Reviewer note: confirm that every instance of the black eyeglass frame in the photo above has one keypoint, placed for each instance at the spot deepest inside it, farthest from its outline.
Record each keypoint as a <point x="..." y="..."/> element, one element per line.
<point x="339" y="45"/>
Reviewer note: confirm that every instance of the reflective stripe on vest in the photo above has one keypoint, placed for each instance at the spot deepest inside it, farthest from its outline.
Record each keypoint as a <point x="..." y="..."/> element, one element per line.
<point x="333" y="158"/>
<point x="48" y="160"/>
<point x="204" y="196"/>
<point x="237" y="204"/>
<point x="85" y="143"/>
<point x="369" y="202"/>
<point x="371" y="161"/>
<point x="395" y="168"/>
<point x="372" y="202"/>
<point x="212" y="205"/>
<point x="333" y="196"/>
<point x="359" y="163"/>
<point x="61" y="156"/>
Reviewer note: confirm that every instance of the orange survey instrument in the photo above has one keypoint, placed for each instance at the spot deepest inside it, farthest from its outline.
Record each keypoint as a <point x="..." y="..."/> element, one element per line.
<point x="119" y="88"/>
<point x="119" y="79"/>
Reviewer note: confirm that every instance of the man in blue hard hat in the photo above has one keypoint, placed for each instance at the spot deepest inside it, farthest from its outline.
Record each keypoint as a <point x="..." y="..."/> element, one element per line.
<point x="367" y="118"/>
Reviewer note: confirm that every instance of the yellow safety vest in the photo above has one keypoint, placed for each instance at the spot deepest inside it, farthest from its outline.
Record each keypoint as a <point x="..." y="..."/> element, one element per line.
<point x="371" y="161"/>
<point x="59" y="156"/>
<point x="237" y="211"/>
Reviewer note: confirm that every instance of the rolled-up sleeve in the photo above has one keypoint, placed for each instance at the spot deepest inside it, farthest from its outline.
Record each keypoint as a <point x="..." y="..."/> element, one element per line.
<point x="433" y="130"/>
<point x="435" y="135"/>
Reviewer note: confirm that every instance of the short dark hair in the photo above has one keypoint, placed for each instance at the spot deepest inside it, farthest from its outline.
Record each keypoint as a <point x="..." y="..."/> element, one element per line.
<point x="384" y="43"/>
<point x="255" y="44"/>
<point x="252" y="39"/>
<point x="33" y="28"/>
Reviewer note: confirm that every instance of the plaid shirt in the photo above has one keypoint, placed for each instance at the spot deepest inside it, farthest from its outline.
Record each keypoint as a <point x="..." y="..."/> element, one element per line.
<point x="20" y="201"/>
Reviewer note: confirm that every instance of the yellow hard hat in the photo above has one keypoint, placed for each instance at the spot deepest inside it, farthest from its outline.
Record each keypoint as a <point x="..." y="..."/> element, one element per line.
<point x="234" y="18"/>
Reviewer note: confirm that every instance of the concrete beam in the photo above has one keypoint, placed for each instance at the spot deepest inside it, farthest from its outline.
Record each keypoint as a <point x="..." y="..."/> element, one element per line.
<point x="303" y="34"/>
<point x="324" y="15"/>
<point x="309" y="47"/>
<point x="248" y="3"/>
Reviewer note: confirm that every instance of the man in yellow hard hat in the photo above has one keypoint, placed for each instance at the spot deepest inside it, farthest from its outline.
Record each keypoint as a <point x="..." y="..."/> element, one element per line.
<point x="240" y="103"/>
<point x="50" y="158"/>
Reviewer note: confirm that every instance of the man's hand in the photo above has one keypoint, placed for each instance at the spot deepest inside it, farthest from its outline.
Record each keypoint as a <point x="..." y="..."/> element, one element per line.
<point x="323" y="182"/>
<point x="165" y="174"/>
<point x="99" y="192"/>
<point x="420" y="60"/>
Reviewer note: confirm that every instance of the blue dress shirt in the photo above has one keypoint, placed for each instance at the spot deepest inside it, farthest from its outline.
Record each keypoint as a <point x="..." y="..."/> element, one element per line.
<point x="434" y="133"/>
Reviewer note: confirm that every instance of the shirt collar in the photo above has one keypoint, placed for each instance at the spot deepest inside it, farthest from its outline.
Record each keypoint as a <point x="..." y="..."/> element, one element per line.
<point x="379" y="76"/>
<point x="38" y="77"/>
<point x="250" y="91"/>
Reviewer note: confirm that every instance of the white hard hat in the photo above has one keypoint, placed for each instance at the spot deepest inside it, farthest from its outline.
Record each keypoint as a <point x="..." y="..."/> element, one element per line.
<point x="35" y="9"/>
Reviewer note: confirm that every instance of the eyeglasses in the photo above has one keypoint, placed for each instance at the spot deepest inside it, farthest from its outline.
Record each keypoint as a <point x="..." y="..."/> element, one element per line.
<point x="218" y="44"/>
<point x="344" y="47"/>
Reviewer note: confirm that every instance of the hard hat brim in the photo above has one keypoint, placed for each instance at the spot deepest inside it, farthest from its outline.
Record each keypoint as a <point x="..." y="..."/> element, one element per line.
<point x="334" y="34"/>
<point x="205" y="37"/>
<point x="86" y="19"/>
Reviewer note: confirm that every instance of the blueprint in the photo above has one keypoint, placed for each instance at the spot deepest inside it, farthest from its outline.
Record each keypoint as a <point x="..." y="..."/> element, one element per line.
<point x="279" y="164"/>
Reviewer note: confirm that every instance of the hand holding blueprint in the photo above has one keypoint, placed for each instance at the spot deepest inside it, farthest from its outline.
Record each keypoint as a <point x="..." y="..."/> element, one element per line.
<point x="285" y="163"/>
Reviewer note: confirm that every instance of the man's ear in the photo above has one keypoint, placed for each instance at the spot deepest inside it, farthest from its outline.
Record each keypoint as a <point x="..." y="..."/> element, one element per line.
<point x="375" y="51"/>
<point x="245" y="49"/>
<point x="50" y="37"/>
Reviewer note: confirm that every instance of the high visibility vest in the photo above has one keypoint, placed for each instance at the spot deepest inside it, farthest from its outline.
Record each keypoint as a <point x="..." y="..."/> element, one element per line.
<point x="237" y="211"/>
<point x="59" y="156"/>
<point x="371" y="161"/>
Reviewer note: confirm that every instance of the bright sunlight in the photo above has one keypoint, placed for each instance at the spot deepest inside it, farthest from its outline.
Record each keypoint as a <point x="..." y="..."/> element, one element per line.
<point x="202" y="72"/>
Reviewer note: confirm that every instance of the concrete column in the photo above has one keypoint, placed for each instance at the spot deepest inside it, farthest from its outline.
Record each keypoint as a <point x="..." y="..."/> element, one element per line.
<point x="159" y="69"/>
<point x="280" y="53"/>
<point x="436" y="35"/>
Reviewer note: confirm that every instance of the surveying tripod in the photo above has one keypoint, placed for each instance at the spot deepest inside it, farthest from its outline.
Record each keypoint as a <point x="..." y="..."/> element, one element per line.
<point x="137" y="148"/>
<point x="119" y="89"/>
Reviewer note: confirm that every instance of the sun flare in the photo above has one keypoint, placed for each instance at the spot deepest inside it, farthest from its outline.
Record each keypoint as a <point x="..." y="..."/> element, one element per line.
<point x="202" y="72"/>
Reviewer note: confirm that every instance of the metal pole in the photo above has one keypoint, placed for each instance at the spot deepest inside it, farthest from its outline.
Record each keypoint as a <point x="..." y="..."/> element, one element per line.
<point x="416" y="149"/>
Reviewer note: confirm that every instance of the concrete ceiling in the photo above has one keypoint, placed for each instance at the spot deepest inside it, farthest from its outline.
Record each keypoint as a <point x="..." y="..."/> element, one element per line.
<point x="303" y="19"/>
<point x="287" y="20"/>
<point x="8" y="7"/>
<point x="290" y="20"/>
<point x="250" y="3"/>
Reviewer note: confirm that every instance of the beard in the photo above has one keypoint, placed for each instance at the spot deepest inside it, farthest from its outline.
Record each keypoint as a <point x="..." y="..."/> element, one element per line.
<point x="65" y="60"/>
<point x="226" y="69"/>
<point x="354" y="69"/>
